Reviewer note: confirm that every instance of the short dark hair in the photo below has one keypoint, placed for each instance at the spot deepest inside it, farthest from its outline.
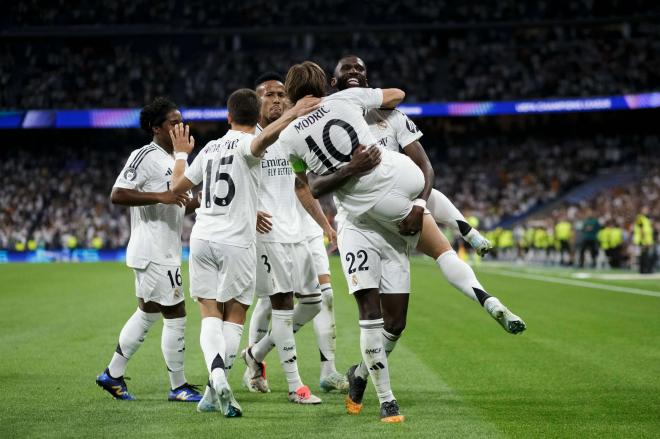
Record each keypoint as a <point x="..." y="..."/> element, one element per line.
<point x="243" y="106"/>
<point x="305" y="79"/>
<point x="268" y="76"/>
<point x="155" y="113"/>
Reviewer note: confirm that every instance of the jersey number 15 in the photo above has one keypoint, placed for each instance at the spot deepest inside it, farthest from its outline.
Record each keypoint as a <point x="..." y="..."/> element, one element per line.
<point x="222" y="201"/>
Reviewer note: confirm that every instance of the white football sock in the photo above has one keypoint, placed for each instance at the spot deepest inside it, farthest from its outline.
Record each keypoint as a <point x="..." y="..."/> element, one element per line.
<point x="282" y="333"/>
<point x="306" y="308"/>
<point x="173" y="345"/>
<point x="131" y="338"/>
<point x="389" y="343"/>
<point x="444" y="212"/>
<point x="259" y="321"/>
<point x="263" y="347"/>
<point x="373" y="356"/>
<point x="461" y="276"/>
<point x="212" y="341"/>
<point x="325" y="330"/>
<point x="232" y="333"/>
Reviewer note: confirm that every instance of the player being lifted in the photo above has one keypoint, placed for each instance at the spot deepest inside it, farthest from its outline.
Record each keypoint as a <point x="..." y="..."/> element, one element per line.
<point x="222" y="243"/>
<point x="378" y="205"/>
<point x="396" y="132"/>
<point x="154" y="253"/>
<point x="280" y="266"/>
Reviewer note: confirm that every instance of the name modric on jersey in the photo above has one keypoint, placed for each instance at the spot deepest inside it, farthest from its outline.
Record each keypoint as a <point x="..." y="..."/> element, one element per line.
<point x="310" y="119"/>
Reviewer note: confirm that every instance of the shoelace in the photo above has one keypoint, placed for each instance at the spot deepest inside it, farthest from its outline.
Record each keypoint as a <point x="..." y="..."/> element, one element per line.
<point x="193" y="387"/>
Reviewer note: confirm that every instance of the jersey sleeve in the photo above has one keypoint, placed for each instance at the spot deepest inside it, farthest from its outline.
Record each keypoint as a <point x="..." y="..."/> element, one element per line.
<point x="297" y="162"/>
<point x="245" y="149"/>
<point x="195" y="172"/>
<point x="135" y="172"/>
<point x="367" y="98"/>
<point x="406" y="130"/>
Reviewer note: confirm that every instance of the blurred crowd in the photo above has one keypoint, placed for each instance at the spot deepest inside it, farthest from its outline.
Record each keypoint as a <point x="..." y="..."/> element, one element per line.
<point x="196" y="13"/>
<point x="554" y="62"/>
<point x="618" y="228"/>
<point x="499" y="179"/>
<point x="200" y="70"/>
<point x="59" y="197"/>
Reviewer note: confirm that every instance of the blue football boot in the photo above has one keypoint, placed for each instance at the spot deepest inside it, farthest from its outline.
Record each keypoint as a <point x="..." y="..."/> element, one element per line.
<point x="185" y="393"/>
<point x="114" y="386"/>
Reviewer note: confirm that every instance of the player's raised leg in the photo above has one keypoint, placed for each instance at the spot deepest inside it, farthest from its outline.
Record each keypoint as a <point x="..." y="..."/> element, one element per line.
<point x="445" y="213"/>
<point x="434" y="244"/>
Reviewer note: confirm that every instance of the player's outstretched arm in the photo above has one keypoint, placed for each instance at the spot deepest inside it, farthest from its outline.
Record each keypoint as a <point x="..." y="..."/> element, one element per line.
<point x="392" y="97"/>
<point x="131" y="197"/>
<point x="270" y="134"/>
<point x="363" y="160"/>
<point x="413" y="222"/>
<point x="183" y="144"/>
<point x="313" y="207"/>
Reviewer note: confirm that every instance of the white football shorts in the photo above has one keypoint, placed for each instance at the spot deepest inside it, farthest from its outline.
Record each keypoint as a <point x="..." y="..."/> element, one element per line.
<point x="285" y="267"/>
<point x="161" y="284"/>
<point x="221" y="271"/>
<point x="371" y="259"/>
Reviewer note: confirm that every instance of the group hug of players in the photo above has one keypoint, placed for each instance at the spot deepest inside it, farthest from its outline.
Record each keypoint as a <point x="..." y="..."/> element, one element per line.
<point x="259" y="231"/>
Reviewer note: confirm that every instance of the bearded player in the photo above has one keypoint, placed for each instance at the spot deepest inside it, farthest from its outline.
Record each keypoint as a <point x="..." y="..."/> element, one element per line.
<point x="380" y="207"/>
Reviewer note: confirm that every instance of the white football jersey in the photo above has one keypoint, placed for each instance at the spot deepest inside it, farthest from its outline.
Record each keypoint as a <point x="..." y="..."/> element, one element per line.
<point x="277" y="196"/>
<point x="155" y="229"/>
<point x="230" y="176"/>
<point x="392" y="129"/>
<point x="323" y="142"/>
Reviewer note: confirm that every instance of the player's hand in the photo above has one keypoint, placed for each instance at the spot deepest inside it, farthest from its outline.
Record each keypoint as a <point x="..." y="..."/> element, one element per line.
<point x="182" y="141"/>
<point x="264" y="224"/>
<point x="332" y="237"/>
<point x="306" y="105"/>
<point x="169" y="197"/>
<point x="412" y="224"/>
<point x="363" y="159"/>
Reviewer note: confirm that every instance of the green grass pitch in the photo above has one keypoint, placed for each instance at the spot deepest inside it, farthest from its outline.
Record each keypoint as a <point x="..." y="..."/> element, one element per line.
<point x="588" y="366"/>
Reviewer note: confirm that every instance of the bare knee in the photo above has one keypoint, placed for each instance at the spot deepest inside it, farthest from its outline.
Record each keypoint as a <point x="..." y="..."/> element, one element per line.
<point x="368" y="304"/>
<point x="282" y="301"/>
<point x="174" y="311"/>
<point x="395" y="327"/>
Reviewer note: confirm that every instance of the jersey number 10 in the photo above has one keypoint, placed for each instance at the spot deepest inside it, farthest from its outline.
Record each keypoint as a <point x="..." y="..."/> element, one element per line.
<point x="330" y="148"/>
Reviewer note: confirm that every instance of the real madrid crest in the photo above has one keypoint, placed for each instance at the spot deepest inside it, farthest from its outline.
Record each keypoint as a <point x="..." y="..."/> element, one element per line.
<point x="130" y="174"/>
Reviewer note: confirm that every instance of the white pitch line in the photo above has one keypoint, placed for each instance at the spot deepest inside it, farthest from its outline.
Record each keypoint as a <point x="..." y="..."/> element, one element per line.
<point x="577" y="283"/>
